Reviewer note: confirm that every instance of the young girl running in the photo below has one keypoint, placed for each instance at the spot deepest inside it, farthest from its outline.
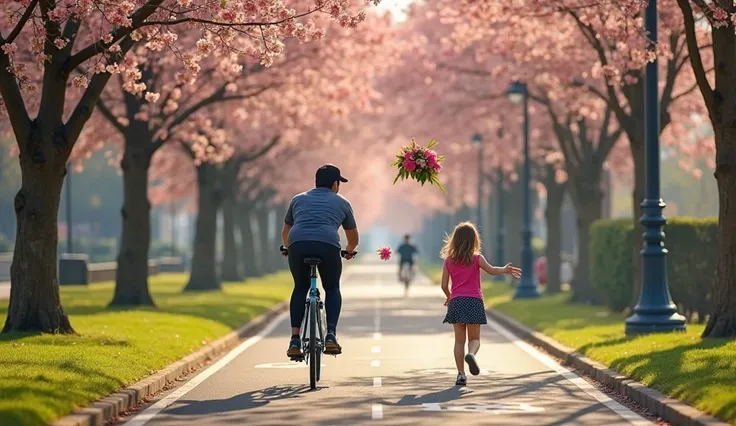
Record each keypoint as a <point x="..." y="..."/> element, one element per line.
<point x="465" y="308"/>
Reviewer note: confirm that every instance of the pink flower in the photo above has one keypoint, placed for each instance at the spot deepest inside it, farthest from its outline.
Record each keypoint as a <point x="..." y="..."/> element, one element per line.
<point x="431" y="157"/>
<point x="409" y="155"/>
<point x="384" y="253"/>
<point x="409" y="165"/>
<point x="437" y="167"/>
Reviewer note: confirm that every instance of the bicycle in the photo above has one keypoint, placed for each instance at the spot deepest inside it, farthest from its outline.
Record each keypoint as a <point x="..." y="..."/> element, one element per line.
<point x="406" y="275"/>
<point x="314" y="321"/>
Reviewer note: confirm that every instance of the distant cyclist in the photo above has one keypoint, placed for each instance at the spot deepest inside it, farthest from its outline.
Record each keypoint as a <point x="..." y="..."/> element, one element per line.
<point x="310" y="230"/>
<point x="406" y="255"/>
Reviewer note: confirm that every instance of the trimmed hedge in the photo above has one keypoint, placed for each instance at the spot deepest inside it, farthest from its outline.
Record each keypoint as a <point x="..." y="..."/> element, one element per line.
<point x="691" y="262"/>
<point x="610" y="261"/>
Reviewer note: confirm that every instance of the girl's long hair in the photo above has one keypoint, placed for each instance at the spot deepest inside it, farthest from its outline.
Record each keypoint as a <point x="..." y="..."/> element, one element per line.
<point x="462" y="245"/>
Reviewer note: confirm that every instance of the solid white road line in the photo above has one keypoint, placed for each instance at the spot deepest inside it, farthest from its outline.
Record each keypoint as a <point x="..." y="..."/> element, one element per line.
<point x="377" y="382"/>
<point x="377" y="412"/>
<point x="591" y="390"/>
<point x="145" y="416"/>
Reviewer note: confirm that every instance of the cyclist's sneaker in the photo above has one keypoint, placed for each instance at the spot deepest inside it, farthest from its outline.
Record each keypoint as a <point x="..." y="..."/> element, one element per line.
<point x="331" y="345"/>
<point x="461" y="380"/>
<point x="472" y="364"/>
<point x="295" y="348"/>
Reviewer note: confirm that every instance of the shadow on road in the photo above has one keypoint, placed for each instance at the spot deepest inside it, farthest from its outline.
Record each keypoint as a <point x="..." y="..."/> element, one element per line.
<point x="244" y="401"/>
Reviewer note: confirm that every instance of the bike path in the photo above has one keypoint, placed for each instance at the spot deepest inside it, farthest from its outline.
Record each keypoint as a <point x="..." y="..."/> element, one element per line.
<point x="397" y="368"/>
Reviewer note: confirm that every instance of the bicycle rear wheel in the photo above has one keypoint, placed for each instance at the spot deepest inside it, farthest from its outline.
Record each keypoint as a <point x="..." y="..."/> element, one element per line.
<point x="314" y="353"/>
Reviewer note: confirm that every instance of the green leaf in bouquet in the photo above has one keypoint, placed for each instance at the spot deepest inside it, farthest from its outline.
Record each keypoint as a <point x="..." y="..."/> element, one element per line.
<point x="431" y="144"/>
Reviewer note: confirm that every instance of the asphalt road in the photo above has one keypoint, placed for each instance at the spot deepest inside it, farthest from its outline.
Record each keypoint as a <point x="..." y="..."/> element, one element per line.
<point x="396" y="368"/>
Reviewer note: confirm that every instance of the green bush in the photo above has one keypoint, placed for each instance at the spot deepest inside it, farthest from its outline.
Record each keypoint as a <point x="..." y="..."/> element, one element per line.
<point x="610" y="261"/>
<point x="691" y="262"/>
<point x="163" y="249"/>
<point x="98" y="249"/>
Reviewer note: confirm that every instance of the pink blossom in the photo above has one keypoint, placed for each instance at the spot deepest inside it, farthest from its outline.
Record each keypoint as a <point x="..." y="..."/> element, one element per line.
<point x="80" y="82"/>
<point x="60" y="43"/>
<point x="410" y="165"/>
<point x="384" y="253"/>
<point x="152" y="97"/>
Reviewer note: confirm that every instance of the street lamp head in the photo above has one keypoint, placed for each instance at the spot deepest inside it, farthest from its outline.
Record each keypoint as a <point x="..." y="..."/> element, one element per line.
<point x="516" y="92"/>
<point x="477" y="139"/>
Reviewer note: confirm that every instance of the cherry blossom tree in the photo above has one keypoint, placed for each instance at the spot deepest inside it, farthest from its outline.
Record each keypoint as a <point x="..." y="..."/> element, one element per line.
<point x="45" y="47"/>
<point x="719" y="95"/>
<point x="606" y="58"/>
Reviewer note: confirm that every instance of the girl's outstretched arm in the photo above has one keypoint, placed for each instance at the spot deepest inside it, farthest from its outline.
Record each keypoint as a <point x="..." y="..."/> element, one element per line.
<point x="446" y="281"/>
<point x="492" y="270"/>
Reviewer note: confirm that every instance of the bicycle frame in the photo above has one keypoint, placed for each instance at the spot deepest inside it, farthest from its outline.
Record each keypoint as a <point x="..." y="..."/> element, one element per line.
<point x="313" y="297"/>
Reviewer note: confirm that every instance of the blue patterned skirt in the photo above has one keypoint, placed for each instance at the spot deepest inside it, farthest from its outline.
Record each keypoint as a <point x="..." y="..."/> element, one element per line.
<point x="466" y="310"/>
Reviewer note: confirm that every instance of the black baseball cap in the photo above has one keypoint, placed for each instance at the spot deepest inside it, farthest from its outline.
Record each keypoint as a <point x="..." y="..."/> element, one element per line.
<point x="327" y="175"/>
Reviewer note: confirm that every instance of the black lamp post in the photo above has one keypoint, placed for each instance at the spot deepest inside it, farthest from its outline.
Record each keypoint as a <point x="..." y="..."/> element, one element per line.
<point x="655" y="312"/>
<point x="518" y="93"/>
<point x="478" y="142"/>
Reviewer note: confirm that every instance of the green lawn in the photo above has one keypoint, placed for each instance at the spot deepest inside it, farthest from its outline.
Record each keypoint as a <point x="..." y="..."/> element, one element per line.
<point x="43" y="377"/>
<point x="432" y="270"/>
<point x="701" y="372"/>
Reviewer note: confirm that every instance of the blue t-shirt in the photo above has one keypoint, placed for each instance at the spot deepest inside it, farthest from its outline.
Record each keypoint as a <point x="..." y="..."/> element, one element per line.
<point x="316" y="215"/>
<point x="406" y="252"/>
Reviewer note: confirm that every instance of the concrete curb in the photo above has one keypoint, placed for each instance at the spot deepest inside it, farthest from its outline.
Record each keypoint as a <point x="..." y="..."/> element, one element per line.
<point x="671" y="410"/>
<point x="112" y="406"/>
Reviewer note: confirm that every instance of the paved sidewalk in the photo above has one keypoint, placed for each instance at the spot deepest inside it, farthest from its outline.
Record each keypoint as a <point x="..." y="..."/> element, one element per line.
<point x="397" y="368"/>
<point x="4" y="290"/>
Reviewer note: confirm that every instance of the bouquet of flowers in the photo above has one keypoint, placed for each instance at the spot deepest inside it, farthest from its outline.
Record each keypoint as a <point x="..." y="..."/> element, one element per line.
<point x="419" y="163"/>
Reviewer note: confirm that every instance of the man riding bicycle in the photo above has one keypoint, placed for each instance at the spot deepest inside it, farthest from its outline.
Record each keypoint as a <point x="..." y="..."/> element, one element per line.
<point x="406" y="255"/>
<point x="310" y="230"/>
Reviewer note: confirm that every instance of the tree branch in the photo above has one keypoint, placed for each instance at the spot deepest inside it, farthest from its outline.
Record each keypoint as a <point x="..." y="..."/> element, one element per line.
<point x="21" y="23"/>
<point x="696" y="61"/>
<point x="107" y="113"/>
<point x="87" y="103"/>
<point x="14" y="103"/>
<point x="246" y="158"/>
<point x="95" y="48"/>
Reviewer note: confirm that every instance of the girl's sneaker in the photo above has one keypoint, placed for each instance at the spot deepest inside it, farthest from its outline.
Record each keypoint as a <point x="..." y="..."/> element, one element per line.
<point x="461" y="380"/>
<point x="472" y="364"/>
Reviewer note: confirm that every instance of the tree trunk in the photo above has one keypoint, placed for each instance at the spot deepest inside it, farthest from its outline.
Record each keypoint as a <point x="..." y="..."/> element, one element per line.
<point x="231" y="266"/>
<point x="263" y="240"/>
<point x="204" y="265"/>
<point x="278" y="261"/>
<point x="35" y="304"/>
<point x="722" y="321"/>
<point x="553" y="216"/>
<point x="637" y="153"/>
<point x="588" y="204"/>
<point x="248" y="247"/>
<point x="131" y="276"/>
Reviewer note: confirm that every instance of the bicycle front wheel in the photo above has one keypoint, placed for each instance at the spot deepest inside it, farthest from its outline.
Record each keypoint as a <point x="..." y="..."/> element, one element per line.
<point x="314" y="355"/>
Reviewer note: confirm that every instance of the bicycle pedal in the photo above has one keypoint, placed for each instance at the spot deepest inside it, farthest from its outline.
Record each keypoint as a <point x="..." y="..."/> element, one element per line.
<point x="297" y="358"/>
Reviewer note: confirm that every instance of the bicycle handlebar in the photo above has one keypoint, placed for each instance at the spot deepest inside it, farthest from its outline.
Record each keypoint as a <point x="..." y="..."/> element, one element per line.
<point x="343" y="253"/>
